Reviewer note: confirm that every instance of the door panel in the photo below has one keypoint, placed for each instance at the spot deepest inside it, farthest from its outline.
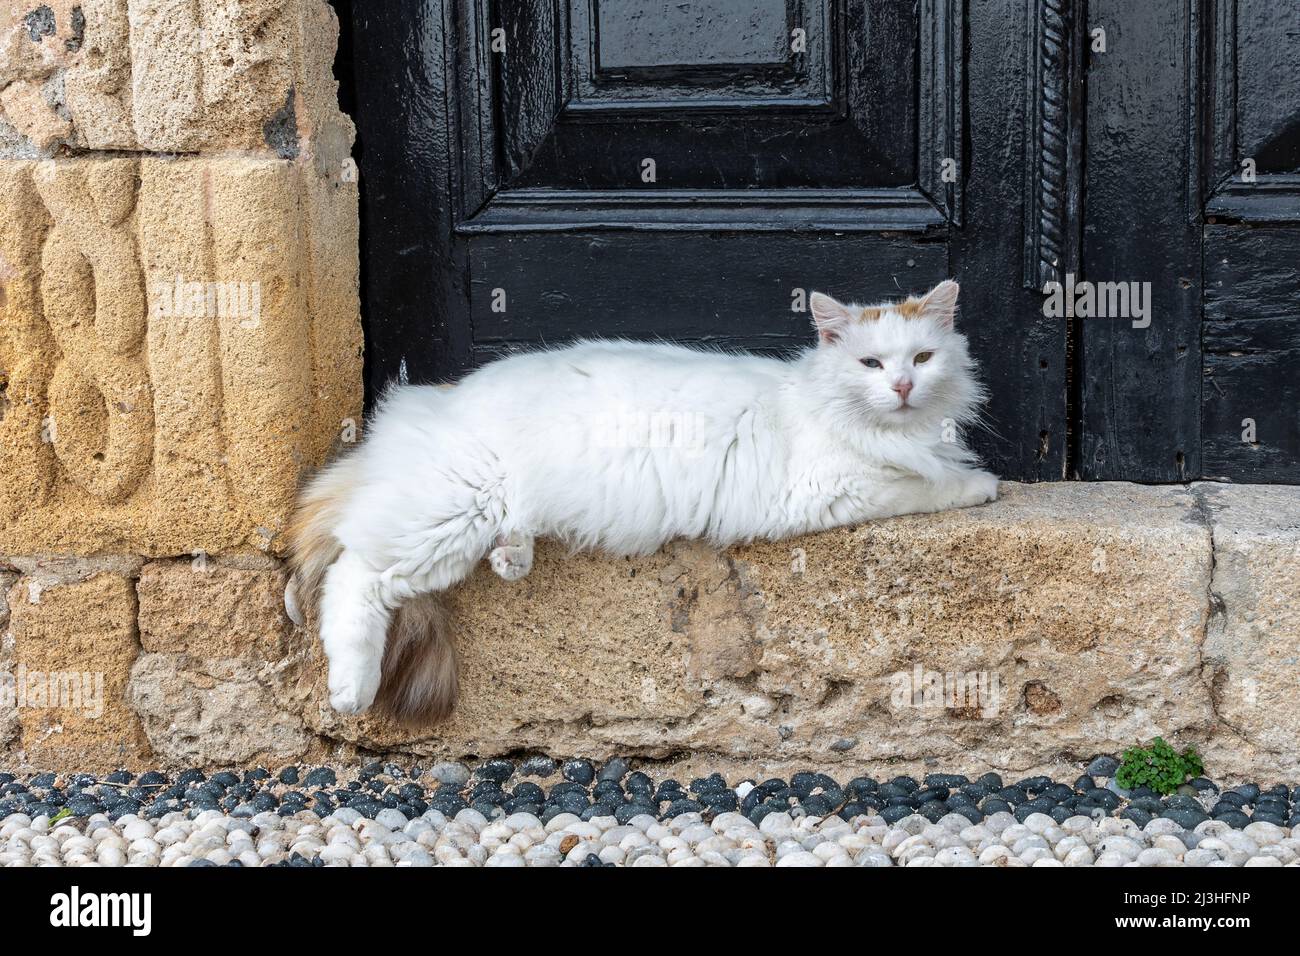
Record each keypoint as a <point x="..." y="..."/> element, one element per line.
<point x="1266" y="41"/>
<point x="1140" y="388"/>
<point x="1249" y="206"/>
<point x="840" y="115"/>
<point x="1251" y="345"/>
<point x="690" y="287"/>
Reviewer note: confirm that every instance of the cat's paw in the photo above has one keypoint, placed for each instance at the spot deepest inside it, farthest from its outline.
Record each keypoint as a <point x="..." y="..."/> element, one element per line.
<point x="353" y="690"/>
<point x="981" y="487"/>
<point x="512" y="558"/>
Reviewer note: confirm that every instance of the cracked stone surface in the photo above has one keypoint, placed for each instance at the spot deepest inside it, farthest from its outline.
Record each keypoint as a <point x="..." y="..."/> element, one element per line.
<point x="1252" y="645"/>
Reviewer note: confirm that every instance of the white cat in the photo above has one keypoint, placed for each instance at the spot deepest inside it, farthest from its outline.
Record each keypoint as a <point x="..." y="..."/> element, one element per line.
<point x="621" y="446"/>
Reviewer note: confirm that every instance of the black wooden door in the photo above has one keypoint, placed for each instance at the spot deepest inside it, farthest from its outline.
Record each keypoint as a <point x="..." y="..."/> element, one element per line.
<point x="539" y="170"/>
<point x="1192" y="157"/>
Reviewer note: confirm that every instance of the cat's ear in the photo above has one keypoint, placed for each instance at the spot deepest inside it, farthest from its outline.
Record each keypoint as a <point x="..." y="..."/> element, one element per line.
<point x="830" y="318"/>
<point x="940" y="303"/>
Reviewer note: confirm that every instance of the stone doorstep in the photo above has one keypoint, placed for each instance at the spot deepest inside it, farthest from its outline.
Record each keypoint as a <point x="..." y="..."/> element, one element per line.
<point x="1024" y="636"/>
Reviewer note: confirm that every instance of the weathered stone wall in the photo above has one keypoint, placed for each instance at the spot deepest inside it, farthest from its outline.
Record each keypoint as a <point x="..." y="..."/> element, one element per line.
<point x="179" y="343"/>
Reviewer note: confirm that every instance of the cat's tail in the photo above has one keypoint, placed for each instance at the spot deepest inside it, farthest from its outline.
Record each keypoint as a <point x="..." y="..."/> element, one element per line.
<point x="420" y="679"/>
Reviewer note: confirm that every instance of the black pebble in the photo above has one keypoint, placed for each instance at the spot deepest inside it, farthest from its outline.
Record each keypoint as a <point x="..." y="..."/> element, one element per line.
<point x="861" y="786"/>
<point x="615" y="770"/>
<point x="537" y="767"/>
<point x="579" y="771"/>
<point x="497" y="770"/>
<point x="851" y="810"/>
<point x="934" y="811"/>
<point x="1185" y="817"/>
<point x="895" y="813"/>
<point x="678" y="807"/>
<point x="1103" y="765"/>
<point x="529" y="792"/>
<point x="1137" y="815"/>
<point x="123" y="808"/>
<point x="1034" y="785"/>
<point x="629" y="810"/>
<point x="83" y="806"/>
<point x="320" y="777"/>
<point x="1013" y="795"/>
<point x="1059" y="792"/>
<point x="949" y="781"/>
<point x="1233" y="818"/>
<point x="711" y="784"/>
<point x="817" y="806"/>
<point x="1262" y="816"/>
<point x="1104" y="798"/>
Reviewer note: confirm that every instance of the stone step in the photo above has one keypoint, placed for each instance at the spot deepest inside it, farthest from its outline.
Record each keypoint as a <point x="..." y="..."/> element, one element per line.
<point x="1062" y="621"/>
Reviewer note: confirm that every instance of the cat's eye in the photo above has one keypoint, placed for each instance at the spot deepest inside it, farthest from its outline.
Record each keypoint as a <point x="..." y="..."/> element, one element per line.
<point x="922" y="357"/>
<point x="871" y="363"/>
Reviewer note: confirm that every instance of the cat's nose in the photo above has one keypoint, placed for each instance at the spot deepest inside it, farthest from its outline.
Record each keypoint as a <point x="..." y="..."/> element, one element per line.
<point x="904" y="388"/>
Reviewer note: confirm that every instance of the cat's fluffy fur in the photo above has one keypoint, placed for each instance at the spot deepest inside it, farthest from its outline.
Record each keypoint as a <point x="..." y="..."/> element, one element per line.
<point x="622" y="446"/>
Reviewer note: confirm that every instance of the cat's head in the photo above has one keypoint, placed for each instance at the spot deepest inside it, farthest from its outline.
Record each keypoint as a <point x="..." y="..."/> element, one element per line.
<point x="898" y="364"/>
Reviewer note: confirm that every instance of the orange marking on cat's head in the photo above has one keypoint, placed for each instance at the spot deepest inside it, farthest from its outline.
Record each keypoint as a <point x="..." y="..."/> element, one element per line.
<point x="909" y="308"/>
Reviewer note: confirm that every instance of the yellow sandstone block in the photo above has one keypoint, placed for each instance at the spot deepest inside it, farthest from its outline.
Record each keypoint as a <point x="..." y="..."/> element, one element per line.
<point x="179" y="341"/>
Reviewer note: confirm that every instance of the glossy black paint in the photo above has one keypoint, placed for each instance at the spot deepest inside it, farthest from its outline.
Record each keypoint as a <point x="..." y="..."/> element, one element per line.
<point x="519" y="174"/>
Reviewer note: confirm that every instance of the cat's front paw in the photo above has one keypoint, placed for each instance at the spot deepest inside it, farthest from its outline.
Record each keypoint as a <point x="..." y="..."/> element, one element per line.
<point x="353" y="690"/>
<point x="983" y="488"/>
